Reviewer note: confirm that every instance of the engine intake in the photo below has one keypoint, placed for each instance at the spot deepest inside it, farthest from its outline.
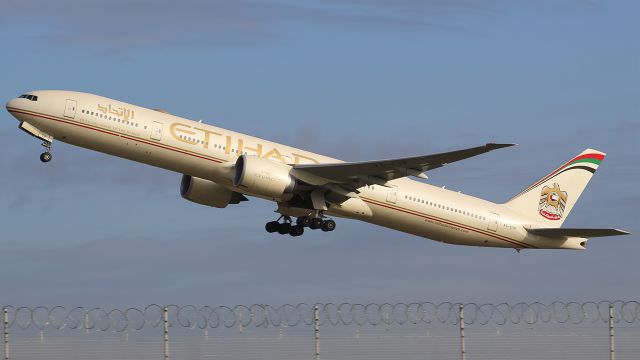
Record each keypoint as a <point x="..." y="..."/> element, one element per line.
<point x="206" y="192"/>
<point x="261" y="176"/>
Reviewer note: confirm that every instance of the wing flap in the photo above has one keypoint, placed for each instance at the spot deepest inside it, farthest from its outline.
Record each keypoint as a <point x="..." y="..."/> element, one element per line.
<point x="576" y="232"/>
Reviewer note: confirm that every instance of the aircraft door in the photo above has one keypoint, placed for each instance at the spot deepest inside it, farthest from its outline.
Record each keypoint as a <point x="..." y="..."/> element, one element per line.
<point x="493" y="222"/>
<point x="392" y="195"/>
<point x="70" y="108"/>
<point x="156" y="131"/>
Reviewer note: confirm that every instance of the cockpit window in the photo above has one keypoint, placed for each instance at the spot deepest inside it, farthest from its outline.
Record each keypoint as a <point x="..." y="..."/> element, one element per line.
<point x="28" y="97"/>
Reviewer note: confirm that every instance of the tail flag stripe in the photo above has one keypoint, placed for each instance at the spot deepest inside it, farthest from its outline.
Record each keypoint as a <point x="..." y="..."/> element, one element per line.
<point x="593" y="161"/>
<point x="589" y="169"/>
<point x="592" y="158"/>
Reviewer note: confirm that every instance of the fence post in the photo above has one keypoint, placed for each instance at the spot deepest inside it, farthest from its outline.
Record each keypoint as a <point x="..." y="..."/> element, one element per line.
<point x="86" y="322"/>
<point x="612" y="343"/>
<point x="165" y="321"/>
<point x="238" y="315"/>
<point x="316" y="324"/>
<point x="463" y="349"/>
<point x="5" y="332"/>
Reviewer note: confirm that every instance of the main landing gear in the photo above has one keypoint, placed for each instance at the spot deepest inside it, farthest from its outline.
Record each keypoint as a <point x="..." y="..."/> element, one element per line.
<point x="46" y="156"/>
<point x="287" y="226"/>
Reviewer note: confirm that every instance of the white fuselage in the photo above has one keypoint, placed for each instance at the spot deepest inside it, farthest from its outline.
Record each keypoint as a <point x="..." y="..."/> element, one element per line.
<point x="160" y="139"/>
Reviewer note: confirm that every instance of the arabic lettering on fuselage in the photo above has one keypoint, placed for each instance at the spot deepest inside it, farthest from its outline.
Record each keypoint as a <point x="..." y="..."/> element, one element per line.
<point x="200" y="136"/>
<point x="126" y="114"/>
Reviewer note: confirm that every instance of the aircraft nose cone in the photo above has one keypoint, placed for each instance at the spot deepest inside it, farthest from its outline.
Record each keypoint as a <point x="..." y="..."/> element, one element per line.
<point x="11" y="104"/>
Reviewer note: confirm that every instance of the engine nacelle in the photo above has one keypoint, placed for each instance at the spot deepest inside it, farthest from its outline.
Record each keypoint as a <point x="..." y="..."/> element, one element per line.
<point x="264" y="177"/>
<point x="206" y="192"/>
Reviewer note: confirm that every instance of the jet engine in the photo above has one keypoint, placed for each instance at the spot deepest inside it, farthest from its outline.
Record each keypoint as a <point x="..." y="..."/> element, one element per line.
<point x="206" y="192"/>
<point x="264" y="177"/>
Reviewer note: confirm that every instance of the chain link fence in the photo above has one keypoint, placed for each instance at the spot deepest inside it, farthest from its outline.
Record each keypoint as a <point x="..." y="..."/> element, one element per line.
<point x="421" y="330"/>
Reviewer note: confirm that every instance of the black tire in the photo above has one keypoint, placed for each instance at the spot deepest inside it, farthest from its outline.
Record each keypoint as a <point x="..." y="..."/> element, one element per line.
<point x="296" y="230"/>
<point x="45" y="157"/>
<point x="328" y="225"/>
<point x="284" y="228"/>
<point x="316" y="223"/>
<point x="304" y="221"/>
<point x="272" y="226"/>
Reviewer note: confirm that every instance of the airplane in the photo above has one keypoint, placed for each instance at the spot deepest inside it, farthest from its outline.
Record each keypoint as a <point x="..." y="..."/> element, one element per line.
<point x="221" y="167"/>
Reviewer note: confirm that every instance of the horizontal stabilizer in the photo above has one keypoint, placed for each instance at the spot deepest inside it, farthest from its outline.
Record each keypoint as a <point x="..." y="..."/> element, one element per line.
<point x="583" y="233"/>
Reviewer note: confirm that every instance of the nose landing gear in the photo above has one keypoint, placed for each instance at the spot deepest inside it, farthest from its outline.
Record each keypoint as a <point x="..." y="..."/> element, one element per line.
<point x="287" y="226"/>
<point x="46" y="156"/>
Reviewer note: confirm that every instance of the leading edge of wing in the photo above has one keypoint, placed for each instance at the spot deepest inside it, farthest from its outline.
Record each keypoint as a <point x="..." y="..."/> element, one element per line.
<point x="390" y="169"/>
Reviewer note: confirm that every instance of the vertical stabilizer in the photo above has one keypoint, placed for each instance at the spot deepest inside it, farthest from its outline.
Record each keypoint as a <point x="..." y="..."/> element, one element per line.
<point x="549" y="200"/>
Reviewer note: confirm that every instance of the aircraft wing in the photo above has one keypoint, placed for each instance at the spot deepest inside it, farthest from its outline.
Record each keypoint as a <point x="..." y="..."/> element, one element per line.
<point x="381" y="171"/>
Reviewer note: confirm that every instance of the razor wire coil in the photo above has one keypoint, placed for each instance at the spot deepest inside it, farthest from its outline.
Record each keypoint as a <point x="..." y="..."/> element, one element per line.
<point x="330" y="314"/>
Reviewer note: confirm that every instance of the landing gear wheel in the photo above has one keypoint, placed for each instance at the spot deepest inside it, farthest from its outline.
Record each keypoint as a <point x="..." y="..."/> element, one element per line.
<point x="45" y="157"/>
<point x="316" y="223"/>
<point x="304" y="221"/>
<point x="328" y="225"/>
<point x="296" y="230"/>
<point x="284" y="228"/>
<point x="272" y="226"/>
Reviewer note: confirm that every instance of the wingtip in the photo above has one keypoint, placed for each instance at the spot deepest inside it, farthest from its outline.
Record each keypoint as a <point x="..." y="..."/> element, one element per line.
<point x="499" y="146"/>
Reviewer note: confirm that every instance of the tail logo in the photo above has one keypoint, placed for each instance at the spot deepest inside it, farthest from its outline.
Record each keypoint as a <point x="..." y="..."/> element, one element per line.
<point x="552" y="202"/>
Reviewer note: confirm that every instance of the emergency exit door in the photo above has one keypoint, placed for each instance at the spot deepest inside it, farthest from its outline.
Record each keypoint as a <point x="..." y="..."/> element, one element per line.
<point x="156" y="131"/>
<point x="392" y="194"/>
<point x="493" y="222"/>
<point x="70" y="108"/>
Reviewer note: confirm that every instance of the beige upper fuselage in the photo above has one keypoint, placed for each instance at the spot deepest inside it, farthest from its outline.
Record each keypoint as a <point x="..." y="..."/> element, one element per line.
<point x="160" y="139"/>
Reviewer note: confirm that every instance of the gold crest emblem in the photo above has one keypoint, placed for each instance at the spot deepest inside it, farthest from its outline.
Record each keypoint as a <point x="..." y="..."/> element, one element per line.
<point x="552" y="202"/>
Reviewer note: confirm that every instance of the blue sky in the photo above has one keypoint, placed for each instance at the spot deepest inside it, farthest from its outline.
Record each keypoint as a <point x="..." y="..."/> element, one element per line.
<point x="357" y="80"/>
